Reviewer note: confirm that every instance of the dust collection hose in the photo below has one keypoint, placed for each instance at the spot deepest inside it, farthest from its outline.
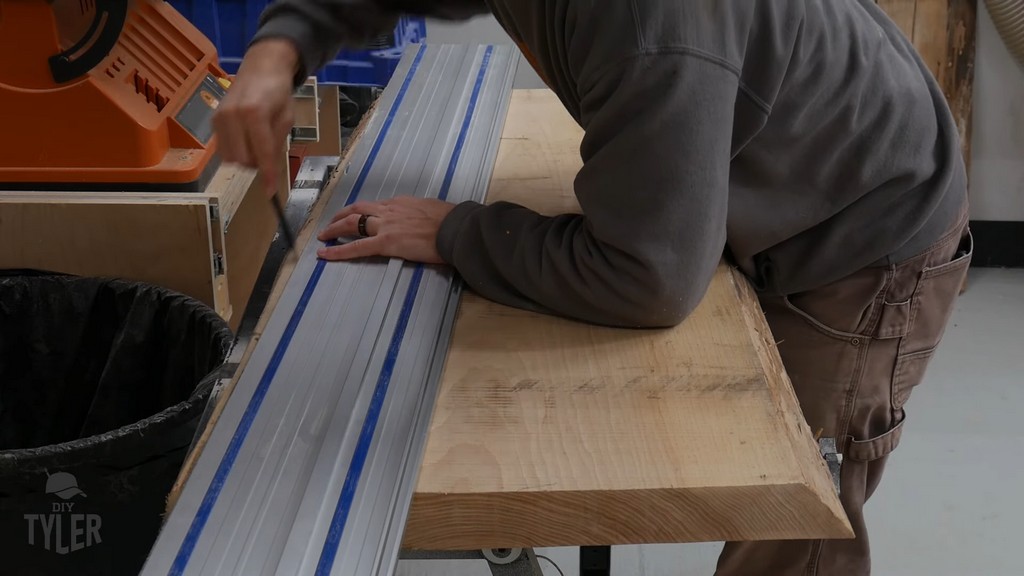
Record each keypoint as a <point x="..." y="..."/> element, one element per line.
<point x="1008" y="16"/>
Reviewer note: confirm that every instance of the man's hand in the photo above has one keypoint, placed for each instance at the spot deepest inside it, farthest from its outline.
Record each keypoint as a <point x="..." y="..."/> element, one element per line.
<point x="403" y="227"/>
<point x="256" y="115"/>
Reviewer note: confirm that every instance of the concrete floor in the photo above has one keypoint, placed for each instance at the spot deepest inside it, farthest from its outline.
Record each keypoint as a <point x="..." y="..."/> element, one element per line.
<point x="951" y="501"/>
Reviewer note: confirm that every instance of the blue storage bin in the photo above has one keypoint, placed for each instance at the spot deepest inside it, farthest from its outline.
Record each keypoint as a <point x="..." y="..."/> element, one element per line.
<point x="231" y="24"/>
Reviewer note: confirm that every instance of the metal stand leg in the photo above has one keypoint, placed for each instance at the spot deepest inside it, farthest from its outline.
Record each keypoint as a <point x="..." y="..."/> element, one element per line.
<point x="595" y="561"/>
<point x="501" y="561"/>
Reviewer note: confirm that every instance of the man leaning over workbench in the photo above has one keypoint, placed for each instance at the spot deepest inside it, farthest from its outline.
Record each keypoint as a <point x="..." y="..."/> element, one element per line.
<point x="803" y="139"/>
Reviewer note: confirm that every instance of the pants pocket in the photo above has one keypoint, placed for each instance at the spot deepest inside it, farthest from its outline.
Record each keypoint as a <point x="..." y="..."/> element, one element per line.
<point x="931" y="307"/>
<point x="843" y="310"/>
<point x="871" y="449"/>
<point x="817" y="324"/>
<point x="909" y="372"/>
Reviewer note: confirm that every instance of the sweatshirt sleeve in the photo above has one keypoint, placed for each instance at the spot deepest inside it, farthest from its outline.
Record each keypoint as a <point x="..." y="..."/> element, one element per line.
<point x="321" y="28"/>
<point x="653" y="191"/>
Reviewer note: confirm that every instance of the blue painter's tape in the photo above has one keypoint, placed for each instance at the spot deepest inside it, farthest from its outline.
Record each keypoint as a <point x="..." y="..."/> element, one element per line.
<point x="464" y="130"/>
<point x="227" y="461"/>
<point x="355" y="470"/>
<point x="358" y="186"/>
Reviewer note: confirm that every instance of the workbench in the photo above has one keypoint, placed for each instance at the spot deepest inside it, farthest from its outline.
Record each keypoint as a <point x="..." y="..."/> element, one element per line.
<point x="548" y="432"/>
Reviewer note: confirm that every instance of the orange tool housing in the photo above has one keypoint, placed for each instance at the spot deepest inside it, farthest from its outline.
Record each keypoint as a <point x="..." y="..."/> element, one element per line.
<point x="105" y="95"/>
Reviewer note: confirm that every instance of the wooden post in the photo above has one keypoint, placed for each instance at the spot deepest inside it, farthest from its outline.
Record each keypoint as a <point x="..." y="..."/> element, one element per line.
<point x="943" y="31"/>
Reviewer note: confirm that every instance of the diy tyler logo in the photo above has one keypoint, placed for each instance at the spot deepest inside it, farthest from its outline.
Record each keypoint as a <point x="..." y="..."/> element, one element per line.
<point x="62" y="530"/>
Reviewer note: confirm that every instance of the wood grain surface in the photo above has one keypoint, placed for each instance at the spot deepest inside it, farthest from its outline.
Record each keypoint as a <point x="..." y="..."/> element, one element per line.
<point x="549" y="432"/>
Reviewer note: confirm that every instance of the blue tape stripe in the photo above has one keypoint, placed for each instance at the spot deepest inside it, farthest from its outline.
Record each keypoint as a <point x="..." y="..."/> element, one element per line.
<point x="227" y="462"/>
<point x="463" y="132"/>
<point x="358" y="186"/>
<point x="355" y="470"/>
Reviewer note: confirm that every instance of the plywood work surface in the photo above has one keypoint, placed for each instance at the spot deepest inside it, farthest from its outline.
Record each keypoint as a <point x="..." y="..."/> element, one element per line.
<point x="549" y="432"/>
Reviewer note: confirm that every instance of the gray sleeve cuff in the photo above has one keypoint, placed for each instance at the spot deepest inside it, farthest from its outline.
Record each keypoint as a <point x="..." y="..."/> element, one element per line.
<point x="296" y="29"/>
<point x="451" y="229"/>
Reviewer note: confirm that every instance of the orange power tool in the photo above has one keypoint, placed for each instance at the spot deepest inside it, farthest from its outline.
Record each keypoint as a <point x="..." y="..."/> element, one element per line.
<point x="111" y="95"/>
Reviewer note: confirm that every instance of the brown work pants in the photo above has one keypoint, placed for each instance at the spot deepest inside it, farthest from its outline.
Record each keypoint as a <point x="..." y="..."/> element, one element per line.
<point x="854" y="350"/>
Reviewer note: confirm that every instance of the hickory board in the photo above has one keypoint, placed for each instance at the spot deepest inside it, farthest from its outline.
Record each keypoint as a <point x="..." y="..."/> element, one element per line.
<point x="549" y="432"/>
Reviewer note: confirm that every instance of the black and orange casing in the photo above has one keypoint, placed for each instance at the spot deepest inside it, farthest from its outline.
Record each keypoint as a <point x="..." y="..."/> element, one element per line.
<point x="139" y="119"/>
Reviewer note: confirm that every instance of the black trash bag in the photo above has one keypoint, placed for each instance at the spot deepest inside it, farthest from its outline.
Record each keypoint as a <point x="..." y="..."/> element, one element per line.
<point x="102" y="386"/>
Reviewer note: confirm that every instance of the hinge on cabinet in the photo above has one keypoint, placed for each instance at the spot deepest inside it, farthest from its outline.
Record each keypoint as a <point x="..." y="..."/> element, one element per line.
<point x="218" y="264"/>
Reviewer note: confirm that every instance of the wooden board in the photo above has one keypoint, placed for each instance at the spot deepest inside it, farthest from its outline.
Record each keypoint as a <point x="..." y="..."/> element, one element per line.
<point x="902" y="13"/>
<point x="548" y="432"/>
<point x="247" y="238"/>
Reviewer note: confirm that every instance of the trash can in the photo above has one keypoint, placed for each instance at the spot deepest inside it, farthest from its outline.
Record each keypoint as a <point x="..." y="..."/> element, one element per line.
<point x="102" y="385"/>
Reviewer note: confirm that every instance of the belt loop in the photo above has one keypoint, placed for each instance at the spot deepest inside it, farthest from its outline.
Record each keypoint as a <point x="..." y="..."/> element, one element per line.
<point x="878" y="320"/>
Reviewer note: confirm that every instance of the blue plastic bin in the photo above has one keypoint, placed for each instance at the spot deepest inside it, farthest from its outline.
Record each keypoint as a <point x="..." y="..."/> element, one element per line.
<point x="231" y="24"/>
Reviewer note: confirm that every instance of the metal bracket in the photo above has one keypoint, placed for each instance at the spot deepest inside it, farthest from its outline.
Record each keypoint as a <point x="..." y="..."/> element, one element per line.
<point x="307" y="90"/>
<point x="500" y="561"/>
<point x="595" y="560"/>
<point x="217" y="231"/>
<point x="502" y="555"/>
<point x="305" y="134"/>
<point x="307" y="100"/>
<point x="218" y="264"/>
<point x="833" y="459"/>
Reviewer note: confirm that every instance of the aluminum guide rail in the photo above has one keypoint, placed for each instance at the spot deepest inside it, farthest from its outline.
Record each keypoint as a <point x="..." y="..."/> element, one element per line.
<point x="312" y="464"/>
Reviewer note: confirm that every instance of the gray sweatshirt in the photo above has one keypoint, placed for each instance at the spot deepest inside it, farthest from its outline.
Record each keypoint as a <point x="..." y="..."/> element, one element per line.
<point x="802" y="139"/>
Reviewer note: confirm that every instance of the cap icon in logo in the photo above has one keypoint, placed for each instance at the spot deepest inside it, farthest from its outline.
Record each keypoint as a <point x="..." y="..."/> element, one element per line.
<point x="64" y="485"/>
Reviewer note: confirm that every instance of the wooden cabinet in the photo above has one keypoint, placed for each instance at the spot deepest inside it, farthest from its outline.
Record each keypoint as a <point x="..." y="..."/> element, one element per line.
<point x="207" y="245"/>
